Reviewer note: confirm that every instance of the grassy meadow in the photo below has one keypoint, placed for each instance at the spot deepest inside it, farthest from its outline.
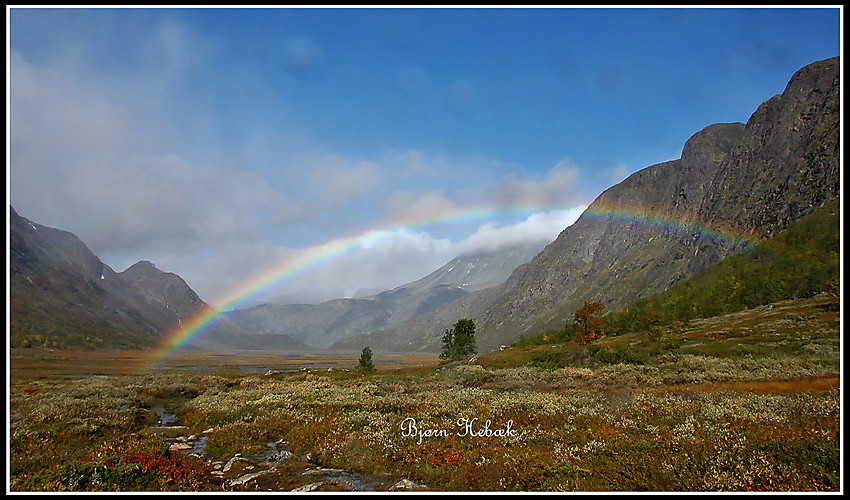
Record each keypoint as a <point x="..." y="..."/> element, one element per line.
<point x="748" y="401"/>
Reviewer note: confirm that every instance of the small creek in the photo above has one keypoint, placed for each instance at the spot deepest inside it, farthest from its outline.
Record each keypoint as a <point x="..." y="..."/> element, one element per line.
<point x="191" y="444"/>
<point x="179" y="438"/>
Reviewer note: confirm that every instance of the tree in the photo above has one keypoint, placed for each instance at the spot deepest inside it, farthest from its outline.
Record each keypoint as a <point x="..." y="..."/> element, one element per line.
<point x="587" y="323"/>
<point x="650" y="322"/>
<point x="365" y="363"/>
<point x="459" y="341"/>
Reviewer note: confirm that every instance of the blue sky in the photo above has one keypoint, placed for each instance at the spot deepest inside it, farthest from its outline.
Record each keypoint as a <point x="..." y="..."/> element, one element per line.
<point x="217" y="142"/>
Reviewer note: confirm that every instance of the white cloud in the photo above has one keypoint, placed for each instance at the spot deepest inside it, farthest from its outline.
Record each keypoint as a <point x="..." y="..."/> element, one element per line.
<point x="86" y="162"/>
<point x="559" y="187"/>
<point x="540" y="226"/>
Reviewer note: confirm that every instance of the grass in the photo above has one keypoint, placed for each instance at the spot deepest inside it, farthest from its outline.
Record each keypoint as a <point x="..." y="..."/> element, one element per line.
<point x="744" y="402"/>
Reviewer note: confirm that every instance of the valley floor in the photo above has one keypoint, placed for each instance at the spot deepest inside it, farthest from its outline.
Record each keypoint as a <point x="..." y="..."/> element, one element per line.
<point x="745" y="402"/>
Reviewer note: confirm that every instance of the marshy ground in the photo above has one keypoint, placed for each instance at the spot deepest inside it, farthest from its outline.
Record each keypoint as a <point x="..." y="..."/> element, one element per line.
<point x="744" y="402"/>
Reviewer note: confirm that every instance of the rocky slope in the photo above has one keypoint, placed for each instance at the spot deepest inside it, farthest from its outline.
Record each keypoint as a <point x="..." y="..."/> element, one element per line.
<point x="734" y="184"/>
<point x="62" y="295"/>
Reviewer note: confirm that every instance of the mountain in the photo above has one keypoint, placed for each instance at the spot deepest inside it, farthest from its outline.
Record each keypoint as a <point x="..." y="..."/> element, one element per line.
<point x="735" y="184"/>
<point x="62" y="295"/>
<point x="326" y="323"/>
<point x="478" y="270"/>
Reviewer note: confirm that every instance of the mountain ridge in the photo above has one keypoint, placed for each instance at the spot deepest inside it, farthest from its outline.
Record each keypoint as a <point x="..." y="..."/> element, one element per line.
<point x="62" y="295"/>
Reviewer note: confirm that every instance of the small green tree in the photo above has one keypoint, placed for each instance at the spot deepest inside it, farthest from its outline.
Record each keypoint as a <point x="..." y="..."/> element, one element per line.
<point x="459" y="341"/>
<point x="365" y="363"/>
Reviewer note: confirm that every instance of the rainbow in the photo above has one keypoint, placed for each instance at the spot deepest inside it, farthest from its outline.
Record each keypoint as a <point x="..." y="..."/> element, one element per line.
<point x="194" y="329"/>
<point x="641" y="218"/>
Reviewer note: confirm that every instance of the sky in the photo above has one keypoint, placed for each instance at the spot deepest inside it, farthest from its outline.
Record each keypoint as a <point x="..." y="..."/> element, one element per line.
<point x="346" y="148"/>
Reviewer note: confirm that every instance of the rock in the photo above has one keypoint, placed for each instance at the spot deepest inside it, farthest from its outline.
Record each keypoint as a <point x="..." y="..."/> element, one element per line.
<point x="192" y="438"/>
<point x="233" y="461"/>
<point x="180" y="446"/>
<point x="248" y="477"/>
<point x="407" y="484"/>
<point x="308" y="487"/>
<point x="314" y="472"/>
<point x="208" y="431"/>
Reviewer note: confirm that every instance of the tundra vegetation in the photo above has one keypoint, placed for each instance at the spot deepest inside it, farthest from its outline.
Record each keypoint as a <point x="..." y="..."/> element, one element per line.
<point x="747" y="401"/>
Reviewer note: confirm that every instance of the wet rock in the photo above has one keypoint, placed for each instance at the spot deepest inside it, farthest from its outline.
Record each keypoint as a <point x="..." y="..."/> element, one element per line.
<point x="248" y="477"/>
<point x="407" y="484"/>
<point x="309" y="487"/>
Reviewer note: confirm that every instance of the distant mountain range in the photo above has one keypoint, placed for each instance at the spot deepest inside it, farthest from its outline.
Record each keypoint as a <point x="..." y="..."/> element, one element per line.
<point x="324" y="324"/>
<point x="734" y="184"/>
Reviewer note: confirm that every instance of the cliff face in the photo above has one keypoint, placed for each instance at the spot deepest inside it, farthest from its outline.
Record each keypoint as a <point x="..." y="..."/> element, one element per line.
<point x="734" y="184"/>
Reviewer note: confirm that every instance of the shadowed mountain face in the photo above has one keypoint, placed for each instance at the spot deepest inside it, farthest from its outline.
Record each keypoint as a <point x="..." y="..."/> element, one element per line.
<point x="734" y="184"/>
<point x="62" y="295"/>
<point x="326" y="323"/>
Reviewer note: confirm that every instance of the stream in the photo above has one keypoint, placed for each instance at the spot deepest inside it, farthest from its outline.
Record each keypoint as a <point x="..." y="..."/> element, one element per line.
<point x="270" y="470"/>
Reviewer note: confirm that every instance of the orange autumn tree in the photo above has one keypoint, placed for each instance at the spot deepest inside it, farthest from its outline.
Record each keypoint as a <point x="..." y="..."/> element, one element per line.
<point x="587" y="325"/>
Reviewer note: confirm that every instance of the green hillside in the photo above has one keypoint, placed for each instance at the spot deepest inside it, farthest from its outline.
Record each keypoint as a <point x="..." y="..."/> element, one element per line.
<point x="801" y="261"/>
